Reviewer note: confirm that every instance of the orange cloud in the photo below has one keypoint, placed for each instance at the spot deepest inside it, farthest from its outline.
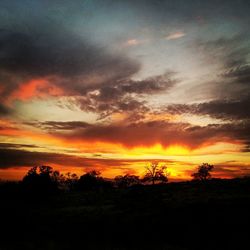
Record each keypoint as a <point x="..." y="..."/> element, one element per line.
<point x="34" y="88"/>
<point x="146" y="134"/>
<point x="106" y="148"/>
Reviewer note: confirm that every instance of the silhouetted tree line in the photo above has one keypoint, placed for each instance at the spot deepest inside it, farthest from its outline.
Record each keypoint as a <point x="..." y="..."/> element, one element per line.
<point x="45" y="179"/>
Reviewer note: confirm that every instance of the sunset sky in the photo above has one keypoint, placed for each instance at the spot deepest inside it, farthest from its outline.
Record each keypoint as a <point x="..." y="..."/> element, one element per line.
<point x="112" y="85"/>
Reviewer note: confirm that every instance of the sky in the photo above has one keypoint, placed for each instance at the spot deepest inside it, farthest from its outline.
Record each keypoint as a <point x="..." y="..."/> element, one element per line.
<point x="113" y="85"/>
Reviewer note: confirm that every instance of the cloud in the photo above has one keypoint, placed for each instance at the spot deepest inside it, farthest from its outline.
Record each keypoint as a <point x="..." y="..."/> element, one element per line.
<point x="64" y="64"/>
<point x="138" y="132"/>
<point x="126" y="95"/>
<point x="236" y="114"/>
<point x="231" y="170"/>
<point x="17" y="146"/>
<point x="62" y="58"/>
<point x="150" y="85"/>
<point x="4" y="110"/>
<point x="56" y="125"/>
<point x="160" y="132"/>
<point x="126" y="105"/>
<point x="226" y="109"/>
<point x="38" y="88"/>
<point x="132" y="42"/>
<point x="234" y="110"/>
<point x="230" y="56"/>
<point x="61" y="53"/>
<point x="240" y="73"/>
<point x="175" y="35"/>
<point x="13" y="157"/>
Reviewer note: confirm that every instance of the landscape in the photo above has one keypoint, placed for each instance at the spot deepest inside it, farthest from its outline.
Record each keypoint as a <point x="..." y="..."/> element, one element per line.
<point x="48" y="210"/>
<point x="124" y="124"/>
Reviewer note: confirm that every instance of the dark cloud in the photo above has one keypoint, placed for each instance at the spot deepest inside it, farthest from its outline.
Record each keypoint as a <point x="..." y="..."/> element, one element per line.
<point x="21" y="158"/>
<point x="240" y="74"/>
<point x="48" y="49"/>
<point x="17" y="146"/>
<point x="231" y="170"/>
<point x="231" y="55"/>
<point x="133" y="134"/>
<point x="126" y="95"/>
<point x="179" y="109"/>
<point x="11" y="157"/>
<point x="231" y="91"/>
<point x="105" y="108"/>
<point x="165" y="133"/>
<point x="236" y="67"/>
<point x="64" y="56"/>
<point x="229" y="132"/>
<point x="5" y="110"/>
<point x="220" y="109"/>
<point x="226" y="110"/>
<point x="101" y="79"/>
<point x="150" y="85"/>
<point x="56" y="125"/>
<point x="163" y="12"/>
<point x="43" y="47"/>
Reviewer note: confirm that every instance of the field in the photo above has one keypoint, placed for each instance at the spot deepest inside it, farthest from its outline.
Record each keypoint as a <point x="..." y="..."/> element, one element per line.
<point x="175" y="216"/>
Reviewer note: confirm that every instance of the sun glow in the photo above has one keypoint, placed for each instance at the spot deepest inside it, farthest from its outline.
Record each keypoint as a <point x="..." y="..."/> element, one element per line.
<point x="158" y="149"/>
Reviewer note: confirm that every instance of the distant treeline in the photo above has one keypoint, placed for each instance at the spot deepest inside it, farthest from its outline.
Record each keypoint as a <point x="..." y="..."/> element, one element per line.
<point x="45" y="179"/>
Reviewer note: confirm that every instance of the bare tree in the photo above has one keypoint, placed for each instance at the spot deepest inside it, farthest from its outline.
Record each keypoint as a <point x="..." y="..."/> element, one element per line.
<point x="156" y="173"/>
<point x="203" y="172"/>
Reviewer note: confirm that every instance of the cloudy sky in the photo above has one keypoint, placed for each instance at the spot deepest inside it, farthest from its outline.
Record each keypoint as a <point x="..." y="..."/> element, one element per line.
<point x="111" y="85"/>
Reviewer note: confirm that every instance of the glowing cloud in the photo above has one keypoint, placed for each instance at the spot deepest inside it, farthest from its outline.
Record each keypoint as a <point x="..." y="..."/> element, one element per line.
<point x="132" y="42"/>
<point x="175" y="35"/>
<point x="34" y="88"/>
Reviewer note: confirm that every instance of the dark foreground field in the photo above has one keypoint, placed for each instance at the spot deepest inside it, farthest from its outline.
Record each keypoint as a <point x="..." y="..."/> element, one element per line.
<point x="176" y="216"/>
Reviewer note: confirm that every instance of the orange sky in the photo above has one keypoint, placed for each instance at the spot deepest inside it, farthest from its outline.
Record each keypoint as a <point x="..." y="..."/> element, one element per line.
<point x="23" y="148"/>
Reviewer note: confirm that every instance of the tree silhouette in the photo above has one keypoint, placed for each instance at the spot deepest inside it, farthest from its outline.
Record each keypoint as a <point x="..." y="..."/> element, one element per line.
<point x="70" y="180"/>
<point x="41" y="179"/>
<point x="203" y="172"/>
<point x="92" y="180"/>
<point x="126" y="180"/>
<point x="156" y="173"/>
